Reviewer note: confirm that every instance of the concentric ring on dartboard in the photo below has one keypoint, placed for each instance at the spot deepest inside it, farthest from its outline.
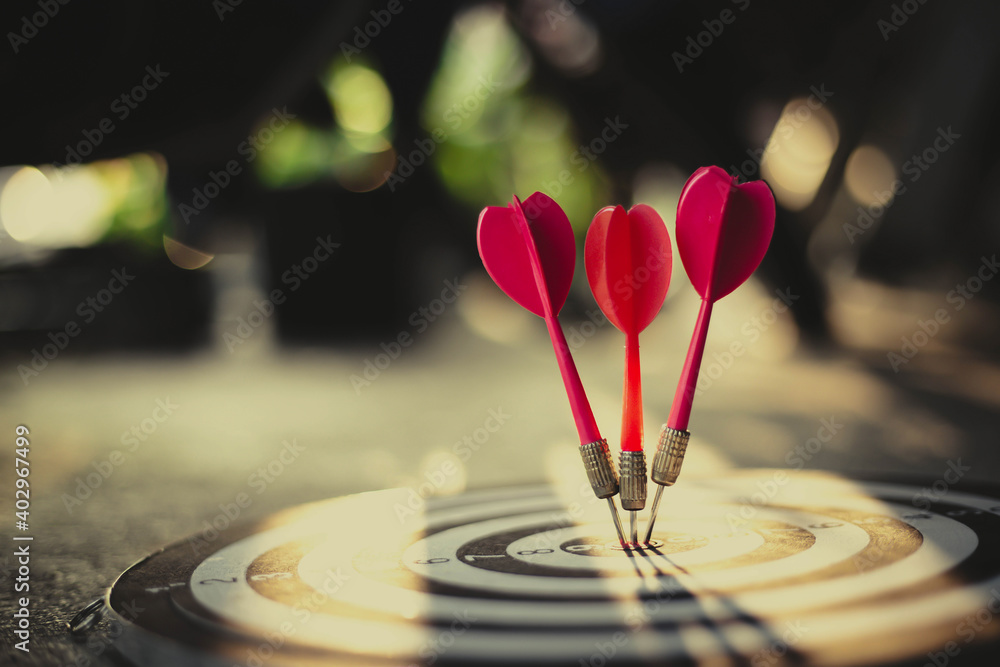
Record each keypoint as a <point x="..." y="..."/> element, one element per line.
<point x="837" y="546"/>
<point x="852" y="565"/>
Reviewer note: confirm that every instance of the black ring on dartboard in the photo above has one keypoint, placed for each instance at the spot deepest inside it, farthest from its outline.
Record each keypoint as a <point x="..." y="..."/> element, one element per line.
<point x="793" y="540"/>
<point x="497" y="545"/>
<point x="982" y="562"/>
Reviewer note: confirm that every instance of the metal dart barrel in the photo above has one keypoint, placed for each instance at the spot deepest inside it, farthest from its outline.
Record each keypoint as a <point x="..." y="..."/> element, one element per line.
<point x="600" y="468"/>
<point x="632" y="469"/>
<point x="669" y="455"/>
<point x="666" y="467"/>
<point x="603" y="478"/>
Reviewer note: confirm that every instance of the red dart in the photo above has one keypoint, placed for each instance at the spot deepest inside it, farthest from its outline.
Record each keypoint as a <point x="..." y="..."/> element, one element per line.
<point x="723" y="231"/>
<point x="530" y="253"/>
<point x="628" y="260"/>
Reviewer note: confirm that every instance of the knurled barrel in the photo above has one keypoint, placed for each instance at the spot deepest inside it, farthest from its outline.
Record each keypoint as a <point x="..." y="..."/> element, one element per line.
<point x="669" y="455"/>
<point x="600" y="468"/>
<point x="632" y="469"/>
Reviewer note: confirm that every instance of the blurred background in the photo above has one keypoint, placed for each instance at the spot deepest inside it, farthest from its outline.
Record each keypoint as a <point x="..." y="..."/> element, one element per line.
<point x="232" y="227"/>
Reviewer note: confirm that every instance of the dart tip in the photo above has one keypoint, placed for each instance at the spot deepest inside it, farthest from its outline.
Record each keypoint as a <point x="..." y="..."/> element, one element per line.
<point x="653" y="511"/>
<point x="633" y="529"/>
<point x="618" y="522"/>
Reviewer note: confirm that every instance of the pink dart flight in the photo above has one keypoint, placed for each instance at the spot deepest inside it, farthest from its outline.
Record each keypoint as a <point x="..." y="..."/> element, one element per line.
<point x="628" y="260"/>
<point x="530" y="253"/>
<point x="723" y="231"/>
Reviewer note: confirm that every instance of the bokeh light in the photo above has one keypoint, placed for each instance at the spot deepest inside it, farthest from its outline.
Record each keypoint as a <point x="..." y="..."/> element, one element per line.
<point x="361" y="100"/>
<point x="869" y="176"/>
<point x="185" y="256"/>
<point x="799" y="152"/>
<point x="356" y="153"/>
<point x="565" y="37"/>
<point x="49" y="207"/>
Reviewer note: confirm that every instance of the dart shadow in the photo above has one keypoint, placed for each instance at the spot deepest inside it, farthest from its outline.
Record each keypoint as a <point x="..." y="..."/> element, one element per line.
<point x="729" y="628"/>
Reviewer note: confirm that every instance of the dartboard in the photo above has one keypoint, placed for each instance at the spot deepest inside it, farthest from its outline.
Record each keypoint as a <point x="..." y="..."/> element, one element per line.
<point x="758" y="566"/>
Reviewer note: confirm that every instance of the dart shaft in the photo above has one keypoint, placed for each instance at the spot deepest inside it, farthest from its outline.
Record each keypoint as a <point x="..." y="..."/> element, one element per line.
<point x="586" y="425"/>
<point x="632" y="397"/>
<point x="680" y="410"/>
